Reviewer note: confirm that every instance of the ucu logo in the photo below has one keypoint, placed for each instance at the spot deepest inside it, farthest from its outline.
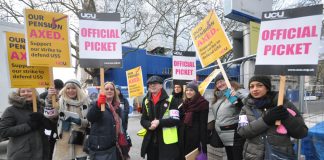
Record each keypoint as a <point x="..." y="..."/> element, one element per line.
<point x="88" y="15"/>
<point x="273" y="15"/>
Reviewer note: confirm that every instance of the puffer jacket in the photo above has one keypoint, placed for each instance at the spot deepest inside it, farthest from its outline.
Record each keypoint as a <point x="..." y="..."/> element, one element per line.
<point x="254" y="144"/>
<point x="227" y="116"/>
<point x="24" y="143"/>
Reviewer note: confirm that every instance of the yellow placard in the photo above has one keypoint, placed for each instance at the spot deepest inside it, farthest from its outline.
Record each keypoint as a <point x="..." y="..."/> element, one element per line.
<point x="135" y="82"/>
<point x="21" y="75"/>
<point x="203" y="85"/>
<point x="47" y="39"/>
<point x="210" y="39"/>
<point x="254" y="37"/>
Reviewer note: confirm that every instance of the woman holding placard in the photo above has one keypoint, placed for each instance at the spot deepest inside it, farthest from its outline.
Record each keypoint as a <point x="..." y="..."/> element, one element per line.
<point x="107" y="140"/>
<point x="257" y="123"/>
<point x="226" y="108"/>
<point x="72" y="122"/>
<point x="25" y="128"/>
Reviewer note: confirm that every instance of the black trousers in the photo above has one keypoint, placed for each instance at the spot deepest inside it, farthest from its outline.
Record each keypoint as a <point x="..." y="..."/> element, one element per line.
<point x="234" y="152"/>
<point x="153" y="152"/>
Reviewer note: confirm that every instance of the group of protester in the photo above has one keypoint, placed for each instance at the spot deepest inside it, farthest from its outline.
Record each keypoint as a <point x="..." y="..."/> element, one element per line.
<point x="174" y="125"/>
<point x="177" y="124"/>
<point x="76" y="128"/>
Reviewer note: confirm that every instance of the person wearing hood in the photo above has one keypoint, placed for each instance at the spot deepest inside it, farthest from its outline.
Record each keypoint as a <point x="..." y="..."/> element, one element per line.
<point x="195" y="108"/>
<point x="257" y="121"/>
<point x="160" y="119"/>
<point x="25" y="128"/>
<point x="107" y="139"/>
<point x="72" y="123"/>
<point x="226" y="116"/>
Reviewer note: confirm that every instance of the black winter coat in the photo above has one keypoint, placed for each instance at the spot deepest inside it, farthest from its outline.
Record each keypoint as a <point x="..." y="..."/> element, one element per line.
<point x="24" y="142"/>
<point x="103" y="131"/>
<point x="166" y="151"/>
<point x="195" y="135"/>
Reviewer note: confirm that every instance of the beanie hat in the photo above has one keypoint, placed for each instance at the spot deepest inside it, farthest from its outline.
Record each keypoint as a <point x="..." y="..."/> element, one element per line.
<point x="193" y="85"/>
<point x="265" y="80"/>
<point x="74" y="81"/>
<point x="58" y="84"/>
<point x="220" y="77"/>
<point x="154" y="79"/>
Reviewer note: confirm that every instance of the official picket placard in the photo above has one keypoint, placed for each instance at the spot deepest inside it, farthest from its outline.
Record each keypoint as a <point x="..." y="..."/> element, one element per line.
<point x="184" y="66"/>
<point x="289" y="41"/>
<point x="135" y="82"/>
<point x="100" y="40"/>
<point x="21" y="75"/>
<point x="204" y="84"/>
<point x="210" y="39"/>
<point x="47" y="39"/>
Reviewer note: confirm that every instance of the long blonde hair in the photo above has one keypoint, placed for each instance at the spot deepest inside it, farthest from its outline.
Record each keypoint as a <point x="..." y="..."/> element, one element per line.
<point x="80" y="96"/>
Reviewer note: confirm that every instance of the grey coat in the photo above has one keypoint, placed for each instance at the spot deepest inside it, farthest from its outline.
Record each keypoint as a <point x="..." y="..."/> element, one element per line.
<point x="227" y="115"/>
<point x="254" y="144"/>
<point x="24" y="143"/>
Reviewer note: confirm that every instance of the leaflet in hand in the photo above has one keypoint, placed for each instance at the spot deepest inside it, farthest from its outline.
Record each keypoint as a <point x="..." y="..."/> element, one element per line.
<point x="232" y="99"/>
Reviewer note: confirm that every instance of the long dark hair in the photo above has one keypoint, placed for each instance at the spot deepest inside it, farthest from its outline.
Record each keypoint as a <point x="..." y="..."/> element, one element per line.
<point x="235" y="85"/>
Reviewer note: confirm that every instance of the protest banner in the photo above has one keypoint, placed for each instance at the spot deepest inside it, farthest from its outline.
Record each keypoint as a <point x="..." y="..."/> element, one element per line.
<point x="210" y="39"/>
<point x="21" y="75"/>
<point x="184" y="66"/>
<point x="47" y="39"/>
<point x="100" y="40"/>
<point x="289" y="41"/>
<point x="204" y="84"/>
<point x="289" y="45"/>
<point x="135" y="82"/>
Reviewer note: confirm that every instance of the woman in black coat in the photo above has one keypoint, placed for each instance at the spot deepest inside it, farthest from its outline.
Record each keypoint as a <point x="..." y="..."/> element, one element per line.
<point x="195" y="109"/>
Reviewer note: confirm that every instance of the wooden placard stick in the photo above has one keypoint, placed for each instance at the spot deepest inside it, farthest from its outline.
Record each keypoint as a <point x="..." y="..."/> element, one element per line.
<point x="281" y="94"/>
<point x="102" y="86"/>
<point x="54" y="103"/>
<point x="224" y="74"/>
<point x="34" y="100"/>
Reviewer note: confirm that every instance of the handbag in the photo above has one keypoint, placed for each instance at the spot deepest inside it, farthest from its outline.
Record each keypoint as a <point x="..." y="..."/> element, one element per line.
<point x="213" y="137"/>
<point x="270" y="152"/>
<point x="76" y="137"/>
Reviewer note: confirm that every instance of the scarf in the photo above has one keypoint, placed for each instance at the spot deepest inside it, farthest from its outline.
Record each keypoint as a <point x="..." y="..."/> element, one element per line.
<point x="121" y="143"/>
<point x="195" y="104"/>
<point x="156" y="98"/>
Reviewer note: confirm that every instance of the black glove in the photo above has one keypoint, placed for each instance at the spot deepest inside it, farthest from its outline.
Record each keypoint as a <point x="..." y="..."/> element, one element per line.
<point x="34" y="124"/>
<point x="36" y="116"/>
<point x="275" y="113"/>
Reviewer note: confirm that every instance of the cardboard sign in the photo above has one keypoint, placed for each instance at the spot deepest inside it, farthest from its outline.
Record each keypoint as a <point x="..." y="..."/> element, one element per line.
<point x="135" y="82"/>
<point x="184" y="67"/>
<point x="21" y="75"/>
<point x="289" y="41"/>
<point x="204" y="84"/>
<point x="47" y="39"/>
<point x="100" y="40"/>
<point x="210" y="39"/>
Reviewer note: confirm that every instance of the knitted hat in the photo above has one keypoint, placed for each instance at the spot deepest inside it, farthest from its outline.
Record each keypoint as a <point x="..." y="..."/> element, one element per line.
<point x="220" y="77"/>
<point x="265" y="80"/>
<point x="58" y="84"/>
<point x="74" y="81"/>
<point x="193" y="85"/>
<point x="154" y="79"/>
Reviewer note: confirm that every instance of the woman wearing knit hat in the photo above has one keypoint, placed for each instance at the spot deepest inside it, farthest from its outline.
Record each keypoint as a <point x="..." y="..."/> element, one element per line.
<point x="226" y="116"/>
<point x="195" y="108"/>
<point x="257" y="122"/>
<point x="72" y="122"/>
